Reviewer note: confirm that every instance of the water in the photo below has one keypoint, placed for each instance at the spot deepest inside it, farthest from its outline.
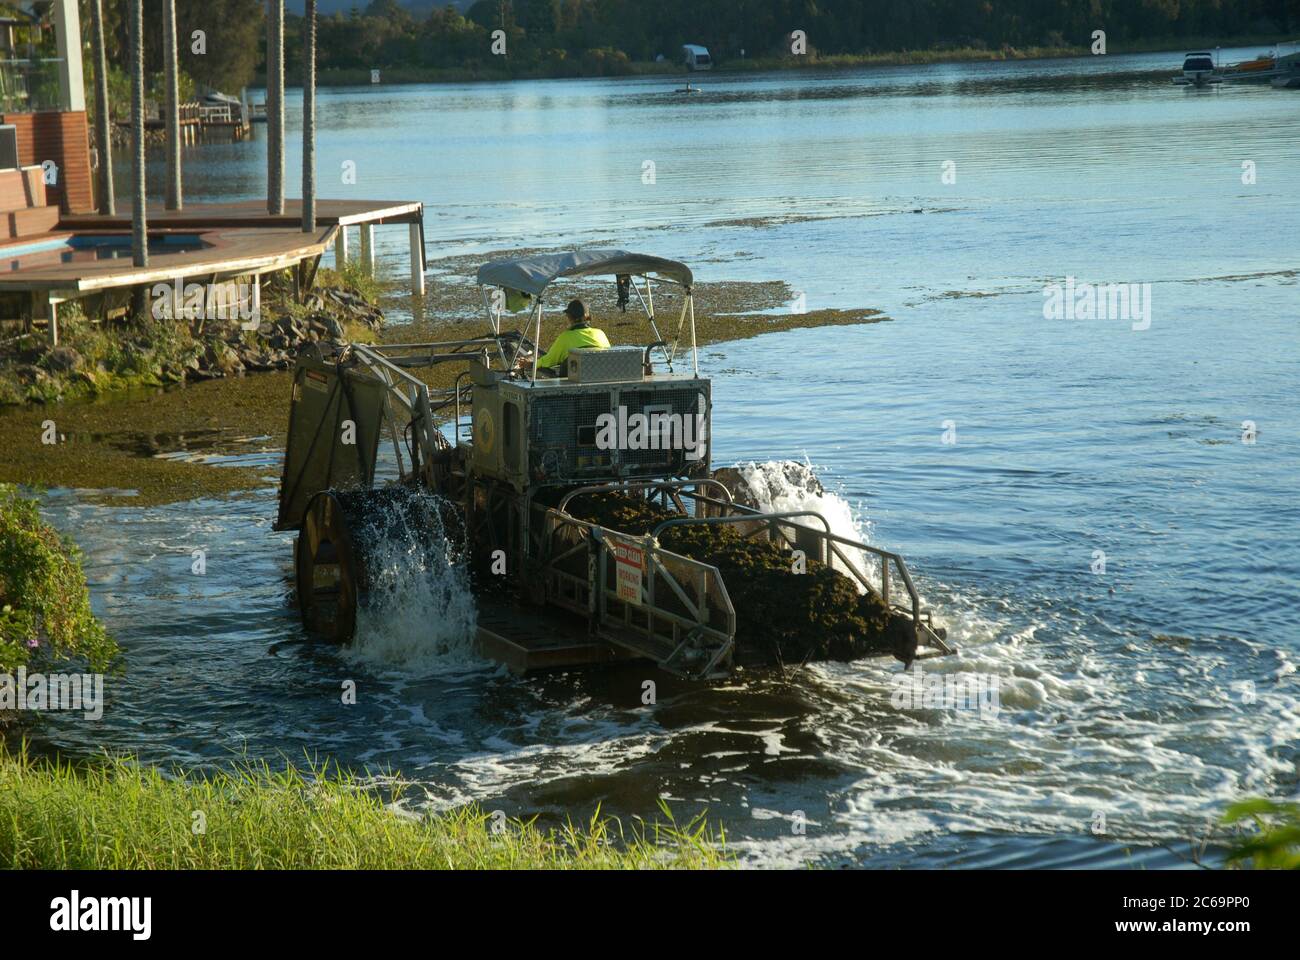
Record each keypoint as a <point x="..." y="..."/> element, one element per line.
<point x="1150" y="694"/>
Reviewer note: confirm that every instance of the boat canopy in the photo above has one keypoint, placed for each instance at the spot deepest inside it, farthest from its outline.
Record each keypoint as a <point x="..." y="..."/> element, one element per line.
<point x="534" y="274"/>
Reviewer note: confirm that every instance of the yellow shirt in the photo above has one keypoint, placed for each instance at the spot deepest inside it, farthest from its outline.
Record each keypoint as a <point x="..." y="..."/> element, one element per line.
<point x="571" y="339"/>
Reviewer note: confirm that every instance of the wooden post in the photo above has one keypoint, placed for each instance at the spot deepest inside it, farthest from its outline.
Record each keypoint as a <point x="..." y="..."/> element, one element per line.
<point x="103" y="133"/>
<point x="139" y="220"/>
<point x="417" y="260"/>
<point x="341" y="248"/>
<point x="173" y="106"/>
<point x="275" y="109"/>
<point x="367" y="232"/>
<point x="309" y="118"/>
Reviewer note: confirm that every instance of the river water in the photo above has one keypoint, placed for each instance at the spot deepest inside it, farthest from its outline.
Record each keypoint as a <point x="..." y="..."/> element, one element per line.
<point x="1078" y="498"/>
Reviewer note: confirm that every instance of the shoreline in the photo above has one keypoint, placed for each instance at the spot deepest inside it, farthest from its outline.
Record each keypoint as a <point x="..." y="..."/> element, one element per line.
<point x="398" y="75"/>
<point x="151" y="446"/>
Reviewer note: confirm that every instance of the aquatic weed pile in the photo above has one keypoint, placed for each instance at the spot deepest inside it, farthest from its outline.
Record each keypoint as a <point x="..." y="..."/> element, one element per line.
<point x="782" y="617"/>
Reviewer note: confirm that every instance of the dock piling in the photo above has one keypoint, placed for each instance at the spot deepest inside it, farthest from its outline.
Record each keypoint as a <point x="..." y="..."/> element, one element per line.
<point x="417" y="259"/>
<point x="367" y="236"/>
<point x="341" y="248"/>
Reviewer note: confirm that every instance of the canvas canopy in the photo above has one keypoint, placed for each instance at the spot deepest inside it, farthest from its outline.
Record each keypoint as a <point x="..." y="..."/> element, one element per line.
<point x="534" y="274"/>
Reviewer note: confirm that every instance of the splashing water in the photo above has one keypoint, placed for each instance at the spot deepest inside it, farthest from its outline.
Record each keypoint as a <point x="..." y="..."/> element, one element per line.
<point x="779" y="486"/>
<point x="420" y="611"/>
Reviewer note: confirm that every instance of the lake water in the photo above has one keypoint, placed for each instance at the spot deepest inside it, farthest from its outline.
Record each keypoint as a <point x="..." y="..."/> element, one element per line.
<point x="1148" y="694"/>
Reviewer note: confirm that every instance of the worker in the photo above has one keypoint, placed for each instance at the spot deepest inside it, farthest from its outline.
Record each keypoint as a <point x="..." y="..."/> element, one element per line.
<point x="580" y="334"/>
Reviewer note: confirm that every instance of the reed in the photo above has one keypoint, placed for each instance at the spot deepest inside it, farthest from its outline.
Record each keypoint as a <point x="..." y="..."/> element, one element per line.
<point x="119" y="814"/>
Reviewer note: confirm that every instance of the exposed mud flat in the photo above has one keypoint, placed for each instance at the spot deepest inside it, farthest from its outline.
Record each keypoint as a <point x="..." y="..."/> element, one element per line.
<point x="157" y="446"/>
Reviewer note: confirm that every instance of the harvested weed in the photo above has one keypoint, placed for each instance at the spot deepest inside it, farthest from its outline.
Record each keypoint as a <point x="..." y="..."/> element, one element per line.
<point x="783" y="617"/>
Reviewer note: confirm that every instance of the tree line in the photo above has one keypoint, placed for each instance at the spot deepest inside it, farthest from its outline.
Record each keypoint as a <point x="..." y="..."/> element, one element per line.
<point x="593" y="37"/>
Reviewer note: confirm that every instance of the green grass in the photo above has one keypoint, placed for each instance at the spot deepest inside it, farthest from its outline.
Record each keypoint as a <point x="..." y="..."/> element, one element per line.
<point x="1274" y="841"/>
<point x="121" y="815"/>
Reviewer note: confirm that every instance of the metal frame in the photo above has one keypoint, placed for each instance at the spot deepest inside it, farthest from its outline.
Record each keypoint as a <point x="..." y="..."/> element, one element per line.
<point x="534" y="319"/>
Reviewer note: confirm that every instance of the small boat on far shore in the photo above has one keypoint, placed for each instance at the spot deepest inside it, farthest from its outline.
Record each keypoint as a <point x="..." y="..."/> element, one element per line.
<point x="1280" y="62"/>
<point x="1198" y="70"/>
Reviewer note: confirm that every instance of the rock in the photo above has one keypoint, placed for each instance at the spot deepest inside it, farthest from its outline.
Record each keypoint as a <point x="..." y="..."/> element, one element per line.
<point x="30" y="374"/>
<point x="64" y="359"/>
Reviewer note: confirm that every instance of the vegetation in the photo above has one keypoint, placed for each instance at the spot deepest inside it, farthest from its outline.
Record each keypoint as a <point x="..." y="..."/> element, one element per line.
<point x="118" y="815"/>
<point x="562" y="38"/>
<point x="224" y="57"/>
<point x="1275" y="842"/>
<point x="613" y="37"/>
<point x="44" y="604"/>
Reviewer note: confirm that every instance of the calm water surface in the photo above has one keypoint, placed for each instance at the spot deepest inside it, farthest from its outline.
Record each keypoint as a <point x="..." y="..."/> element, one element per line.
<point x="1151" y="694"/>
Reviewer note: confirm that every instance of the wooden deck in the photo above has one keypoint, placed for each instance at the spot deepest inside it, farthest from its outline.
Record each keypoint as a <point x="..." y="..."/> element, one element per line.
<point x="252" y="213"/>
<point x="240" y="238"/>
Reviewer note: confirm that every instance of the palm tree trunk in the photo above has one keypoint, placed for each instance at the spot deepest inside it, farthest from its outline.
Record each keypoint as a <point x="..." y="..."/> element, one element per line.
<point x="173" y="106"/>
<point x="275" y="108"/>
<point x="139" y="223"/>
<point x="103" y="122"/>
<point x="309" y="119"/>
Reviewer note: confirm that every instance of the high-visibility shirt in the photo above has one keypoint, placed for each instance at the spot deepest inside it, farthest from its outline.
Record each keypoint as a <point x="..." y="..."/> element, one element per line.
<point x="573" y="338"/>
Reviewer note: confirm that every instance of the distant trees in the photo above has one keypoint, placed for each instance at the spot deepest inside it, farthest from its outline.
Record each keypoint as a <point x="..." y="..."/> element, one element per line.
<point x="596" y="32"/>
<point x="568" y="37"/>
<point x="232" y="39"/>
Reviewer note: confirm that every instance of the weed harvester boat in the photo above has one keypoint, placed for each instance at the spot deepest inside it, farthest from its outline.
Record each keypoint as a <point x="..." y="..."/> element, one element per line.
<point x="588" y="542"/>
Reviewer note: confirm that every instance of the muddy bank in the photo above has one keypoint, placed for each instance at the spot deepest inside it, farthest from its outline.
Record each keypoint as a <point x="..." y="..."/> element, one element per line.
<point x="154" y="444"/>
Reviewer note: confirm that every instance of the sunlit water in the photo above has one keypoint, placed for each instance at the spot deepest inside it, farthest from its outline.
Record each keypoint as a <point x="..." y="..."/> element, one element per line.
<point x="1150" y="694"/>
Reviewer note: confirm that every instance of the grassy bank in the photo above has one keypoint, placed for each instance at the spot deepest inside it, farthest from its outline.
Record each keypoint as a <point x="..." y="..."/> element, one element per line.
<point x="45" y="614"/>
<point x="118" y="815"/>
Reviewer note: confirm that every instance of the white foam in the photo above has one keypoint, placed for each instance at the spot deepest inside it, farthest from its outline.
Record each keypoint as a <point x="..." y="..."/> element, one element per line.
<point x="780" y="486"/>
<point x="420" y="612"/>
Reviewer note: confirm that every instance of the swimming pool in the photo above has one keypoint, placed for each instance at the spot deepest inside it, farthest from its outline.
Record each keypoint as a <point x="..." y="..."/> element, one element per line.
<point x="90" y="247"/>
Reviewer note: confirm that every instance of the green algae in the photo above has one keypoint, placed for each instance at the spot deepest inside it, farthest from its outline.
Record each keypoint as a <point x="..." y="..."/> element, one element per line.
<point x="119" y="445"/>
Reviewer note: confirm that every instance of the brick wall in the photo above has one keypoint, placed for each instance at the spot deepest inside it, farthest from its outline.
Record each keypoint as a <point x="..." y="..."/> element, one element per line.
<point x="65" y="139"/>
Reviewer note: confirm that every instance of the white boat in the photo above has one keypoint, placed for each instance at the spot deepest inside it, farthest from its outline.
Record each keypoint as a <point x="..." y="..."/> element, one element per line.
<point x="1198" y="70"/>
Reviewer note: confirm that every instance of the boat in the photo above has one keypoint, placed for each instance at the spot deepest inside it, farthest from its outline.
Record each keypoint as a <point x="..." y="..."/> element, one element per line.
<point x="1286" y="72"/>
<point x="1198" y="70"/>
<point x="1267" y="67"/>
<point x="584" y="543"/>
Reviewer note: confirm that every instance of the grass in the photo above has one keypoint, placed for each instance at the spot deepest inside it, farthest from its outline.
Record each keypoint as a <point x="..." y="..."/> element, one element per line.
<point x="1274" y="841"/>
<point x="117" y="814"/>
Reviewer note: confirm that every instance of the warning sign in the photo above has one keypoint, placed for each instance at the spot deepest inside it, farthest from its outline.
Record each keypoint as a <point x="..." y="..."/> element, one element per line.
<point x="629" y="569"/>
